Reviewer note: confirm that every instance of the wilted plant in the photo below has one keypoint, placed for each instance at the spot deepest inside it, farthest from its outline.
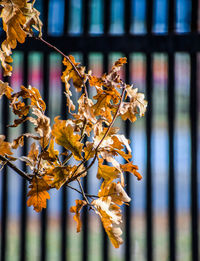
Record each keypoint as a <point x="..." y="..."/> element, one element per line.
<point x="51" y="168"/>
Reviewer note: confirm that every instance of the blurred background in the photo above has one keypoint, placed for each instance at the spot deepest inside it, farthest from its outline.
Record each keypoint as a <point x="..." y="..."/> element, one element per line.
<point x="41" y="236"/>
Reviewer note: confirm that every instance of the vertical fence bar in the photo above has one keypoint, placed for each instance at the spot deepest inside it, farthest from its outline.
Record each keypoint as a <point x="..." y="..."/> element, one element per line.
<point x="44" y="214"/>
<point x="194" y="138"/>
<point x="105" y="246"/>
<point x="194" y="150"/>
<point x="64" y="195"/>
<point x="194" y="17"/>
<point x="127" y="16"/>
<point x="86" y="16"/>
<point x="23" y="219"/>
<point x="66" y="17"/>
<point x="149" y="213"/>
<point x="4" y="191"/>
<point x="171" y="120"/>
<point x="171" y="181"/>
<point x="128" y="212"/>
<point x="171" y="15"/>
<point x="107" y="15"/>
<point x="149" y="93"/>
<point x="46" y="16"/>
<point x="85" y="215"/>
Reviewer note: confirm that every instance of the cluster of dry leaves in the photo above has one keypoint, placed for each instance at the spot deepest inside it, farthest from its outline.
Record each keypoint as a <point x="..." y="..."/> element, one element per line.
<point x="91" y="119"/>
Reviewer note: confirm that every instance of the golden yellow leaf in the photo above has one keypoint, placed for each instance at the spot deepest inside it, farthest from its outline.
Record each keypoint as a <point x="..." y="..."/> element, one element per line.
<point x="129" y="167"/>
<point x="52" y="152"/>
<point x="76" y="209"/>
<point x="106" y="172"/>
<point x="38" y="195"/>
<point x="64" y="135"/>
<point x="4" y="146"/>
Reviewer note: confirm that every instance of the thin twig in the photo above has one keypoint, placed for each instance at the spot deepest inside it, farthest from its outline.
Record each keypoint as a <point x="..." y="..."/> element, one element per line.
<point x="82" y="192"/>
<point x="15" y="168"/>
<point x="69" y="60"/>
<point x="78" y="191"/>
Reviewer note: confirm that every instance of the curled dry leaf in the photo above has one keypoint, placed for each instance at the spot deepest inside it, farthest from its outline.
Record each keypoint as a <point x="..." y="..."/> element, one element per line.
<point x="111" y="218"/>
<point x="76" y="210"/>
<point x="18" y="17"/>
<point x="5" y="89"/>
<point x="4" y="146"/>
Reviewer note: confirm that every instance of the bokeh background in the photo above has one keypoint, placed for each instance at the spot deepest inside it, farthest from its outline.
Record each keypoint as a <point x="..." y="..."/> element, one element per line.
<point x="159" y="138"/>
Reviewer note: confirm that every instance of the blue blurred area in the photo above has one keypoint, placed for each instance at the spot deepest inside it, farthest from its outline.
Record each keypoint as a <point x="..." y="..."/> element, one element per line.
<point x="56" y="11"/>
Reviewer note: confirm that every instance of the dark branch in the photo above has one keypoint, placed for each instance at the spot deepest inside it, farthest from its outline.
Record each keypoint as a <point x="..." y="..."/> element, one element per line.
<point x="15" y="168"/>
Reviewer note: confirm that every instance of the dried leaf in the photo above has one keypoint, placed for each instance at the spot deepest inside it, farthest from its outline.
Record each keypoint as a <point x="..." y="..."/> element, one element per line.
<point x="5" y="89"/>
<point x="70" y="73"/>
<point x="64" y="135"/>
<point x="4" y="146"/>
<point x="38" y="195"/>
<point x="106" y="172"/>
<point x="129" y="167"/>
<point x="111" y="218"/>
<point x="76" y="209"/>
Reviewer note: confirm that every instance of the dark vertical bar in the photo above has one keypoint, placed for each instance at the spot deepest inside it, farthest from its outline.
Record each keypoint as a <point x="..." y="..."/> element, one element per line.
<point x="127" y="15"/>
<point x="149" y="90"/>
<point x="66" y="16"/>
<point x="44" y="214"/>
<point x="64" y="204"/>
<point x="105" y="246"/>
<point x="86" y="16"/>
<point x="149" y="212"/>
<point x="107" y="15"/>
<point x="85" y="216"/>
<point x="128" y="209"/>
<point x="194" y="151"/>
<point x="171" y="182"/>
<point x="194" y="17"/>
<point x="4" y="190"/>
<point x="46" y="16"/>
<point x="23" y="220"/>
<point x="149" y="16"/>
<point x="171" y="120"/>
<point x="171" y="15"/>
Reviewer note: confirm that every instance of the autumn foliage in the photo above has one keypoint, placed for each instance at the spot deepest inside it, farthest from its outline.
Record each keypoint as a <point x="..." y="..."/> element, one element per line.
<point x="88" y="136"/>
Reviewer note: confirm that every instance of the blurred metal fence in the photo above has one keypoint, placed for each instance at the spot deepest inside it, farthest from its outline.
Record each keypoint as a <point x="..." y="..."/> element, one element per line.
<point x="126" y="43"/>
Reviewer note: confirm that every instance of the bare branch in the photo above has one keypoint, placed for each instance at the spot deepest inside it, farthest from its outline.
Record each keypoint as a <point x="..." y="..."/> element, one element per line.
<point x="15" y="168"/>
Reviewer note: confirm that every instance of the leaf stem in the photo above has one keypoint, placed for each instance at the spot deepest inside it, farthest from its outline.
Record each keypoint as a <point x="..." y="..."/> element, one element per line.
<point x="68" y="59"/>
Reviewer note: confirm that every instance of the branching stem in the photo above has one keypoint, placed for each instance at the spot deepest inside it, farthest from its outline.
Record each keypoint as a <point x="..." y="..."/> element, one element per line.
<point x="68" y="59"/>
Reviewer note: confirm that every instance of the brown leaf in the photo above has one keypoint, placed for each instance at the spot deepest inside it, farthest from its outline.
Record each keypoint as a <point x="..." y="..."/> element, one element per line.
<point x="38" y="195"/>
<point x="111" y="218"/>
<point x="106" y="172"/>
<point x="129" y="167"/>
<point x="70" y="73"/>
<point x="43" y="128"/>
<point x="4" y="146"/>
<point x="60" y="175"/>
<point x="64" y="135"/>
<point x="5" y="89"/>
<point x="76" y="209"/>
